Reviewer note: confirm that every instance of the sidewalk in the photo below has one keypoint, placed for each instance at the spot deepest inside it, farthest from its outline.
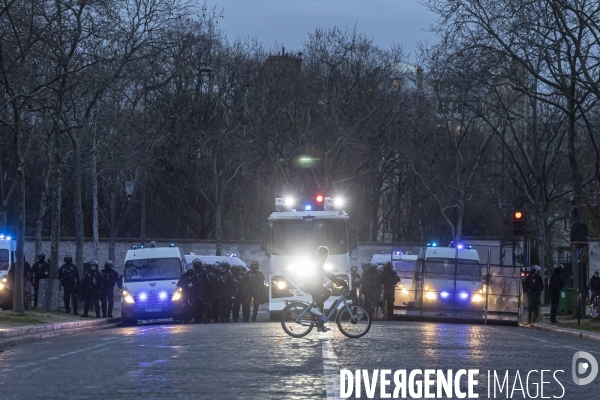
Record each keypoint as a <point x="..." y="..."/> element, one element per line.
<point x="566" y="326"/>
<point x="35" y="325"/>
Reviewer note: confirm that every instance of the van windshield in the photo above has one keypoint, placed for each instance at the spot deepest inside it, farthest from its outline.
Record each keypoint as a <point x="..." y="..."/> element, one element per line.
<point x="151" y="269"/>
<point x="443" y="268"/>
<point x="4" y="259"/>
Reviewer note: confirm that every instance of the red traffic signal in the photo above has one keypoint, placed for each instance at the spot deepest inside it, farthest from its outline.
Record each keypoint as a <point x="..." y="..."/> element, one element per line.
<point x="518" y="223"/>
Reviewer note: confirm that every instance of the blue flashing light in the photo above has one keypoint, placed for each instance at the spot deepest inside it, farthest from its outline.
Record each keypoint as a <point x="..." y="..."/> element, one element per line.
<point x="141" y="247"/>
<point x="8" y="238"/>
<point x="143" y="296"/>
<point x="1" y="237"/>
<point x="444" y="295"/>
<point x="433" y="244"/>
<point x="171" y="244"/>
<point x="134" y="247"/>
<point x="308" y="207"/>
<point x="464" y="295"/>
<point x="460" y="246"/>
<point x="162" y="295"/>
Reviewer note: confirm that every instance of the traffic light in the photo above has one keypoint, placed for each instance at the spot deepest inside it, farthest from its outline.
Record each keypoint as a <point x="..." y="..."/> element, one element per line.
<point x="518" y="223"/>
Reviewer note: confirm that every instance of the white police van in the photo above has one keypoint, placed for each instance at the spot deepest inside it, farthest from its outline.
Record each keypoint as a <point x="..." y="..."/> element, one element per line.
<point x="150" y="278"/>
<point x="8" y="248"/>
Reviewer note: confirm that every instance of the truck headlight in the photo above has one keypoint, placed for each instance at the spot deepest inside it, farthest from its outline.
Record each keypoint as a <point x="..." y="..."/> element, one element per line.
<point x="281" y="285"/>
<point x="430" y="296"/>
<point x="177" y="295"/>
<point x="1" y="285"/>
<point x="127" y="297"/>
<point x="477" y="298"/>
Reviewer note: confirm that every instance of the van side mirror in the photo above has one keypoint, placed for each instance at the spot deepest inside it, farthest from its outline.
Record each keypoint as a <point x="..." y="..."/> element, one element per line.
<point x="264" y="239"/>
<point x="353" y="238"/>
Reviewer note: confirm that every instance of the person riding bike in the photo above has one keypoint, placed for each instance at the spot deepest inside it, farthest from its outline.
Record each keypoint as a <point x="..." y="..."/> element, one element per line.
<point x="314" y="285"/>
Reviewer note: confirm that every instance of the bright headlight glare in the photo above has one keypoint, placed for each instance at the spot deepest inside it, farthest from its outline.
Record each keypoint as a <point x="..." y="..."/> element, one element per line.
<point x="177" y="295"/>
<point x="328" y="266"/>
<point x="430" y="296"/>
<point x="338" y="202"/>
<point x="4" y="280"/>
<point x="1" y="286"/>
<point x="404" y="291"/>
<point x="289" y="201"/>
<point x="477" y="298"/>
<point x="127" y="297"/>
<point x="281" y="285"/>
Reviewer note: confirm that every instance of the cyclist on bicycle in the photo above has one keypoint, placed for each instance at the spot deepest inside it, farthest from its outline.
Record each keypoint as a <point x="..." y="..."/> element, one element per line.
<point x="594" y="287"/>
<point x="314" y="285"/>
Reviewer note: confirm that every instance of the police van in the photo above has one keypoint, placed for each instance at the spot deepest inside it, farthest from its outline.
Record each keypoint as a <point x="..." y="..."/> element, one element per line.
<point x="8" y="248"/>
<point x="150" y="278"/>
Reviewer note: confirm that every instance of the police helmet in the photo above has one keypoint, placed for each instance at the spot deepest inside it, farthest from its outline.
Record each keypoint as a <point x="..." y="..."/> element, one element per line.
<point x="254" y="265"/>
<point x="197" y="261"/>
<point x="234" y="268"/>
<point x="534" y="268"/>
<point x="94" y="262"/>
<point x="108" y="264"/>
<point x="69" y="257"/>
<point x="387" y="265"/>
<point x="557" y="266"/>
<point x="224" y="265"/>
<point x="41" y="254"/>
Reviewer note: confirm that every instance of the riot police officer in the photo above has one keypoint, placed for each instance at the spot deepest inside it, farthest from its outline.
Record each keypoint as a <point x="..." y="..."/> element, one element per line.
<point x="555" y="285"/>
<point x="226" y="291"/>
<point x="533" y="285"/>
<point x="92" y="287"/>
<point x="237" y="301"/>
<point x="389" y="279"/>
<point x="252" y="285"/>
<point x="109" y="279"/>
<point x="69" y="280"/>
<point x="371" y="284"/>
<point x="204" y="295"/>
<point x="39" y="270"/>
<point x="189" y="286"/>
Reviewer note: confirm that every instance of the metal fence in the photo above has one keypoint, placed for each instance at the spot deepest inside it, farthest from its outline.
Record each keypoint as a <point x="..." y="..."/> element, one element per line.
<point x="458" y="289"/>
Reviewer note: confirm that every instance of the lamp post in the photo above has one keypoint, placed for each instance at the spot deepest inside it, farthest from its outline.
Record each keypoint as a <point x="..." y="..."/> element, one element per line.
<point x="129" y="185"/>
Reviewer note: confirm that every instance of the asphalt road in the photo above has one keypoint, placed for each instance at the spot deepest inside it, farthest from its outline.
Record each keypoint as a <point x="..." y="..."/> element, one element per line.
<point x="258" y="360"/>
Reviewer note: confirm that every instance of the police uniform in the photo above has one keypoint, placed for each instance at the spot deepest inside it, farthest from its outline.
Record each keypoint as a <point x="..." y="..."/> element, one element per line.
<point x="92" y="286"/>
<point x="69" y="280"/>
<point x="109" y="279"/>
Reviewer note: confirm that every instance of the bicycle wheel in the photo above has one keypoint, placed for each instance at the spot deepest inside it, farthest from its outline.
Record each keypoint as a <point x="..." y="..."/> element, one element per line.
<point x="290" y="324"/>
<point x="357" y="327"/>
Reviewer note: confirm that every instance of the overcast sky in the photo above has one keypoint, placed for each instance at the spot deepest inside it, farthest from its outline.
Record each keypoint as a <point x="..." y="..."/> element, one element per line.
<point x="288" y="22"/>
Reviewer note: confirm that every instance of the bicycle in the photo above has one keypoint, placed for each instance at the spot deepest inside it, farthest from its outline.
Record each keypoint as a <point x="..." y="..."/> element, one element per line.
<point x="352" y="320"/>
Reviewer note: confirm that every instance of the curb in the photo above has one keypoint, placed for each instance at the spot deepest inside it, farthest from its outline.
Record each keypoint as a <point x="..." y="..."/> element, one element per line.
<point x="577" y="333"/>
<point x="35" y="333"/>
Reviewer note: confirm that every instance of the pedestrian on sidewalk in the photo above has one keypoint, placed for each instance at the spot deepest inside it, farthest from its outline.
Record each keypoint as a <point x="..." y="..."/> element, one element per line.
<point x="533" y="285"/>
<point x="555" y="284"/>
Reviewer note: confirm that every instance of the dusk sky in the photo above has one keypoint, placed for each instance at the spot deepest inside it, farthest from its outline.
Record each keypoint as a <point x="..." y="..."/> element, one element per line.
<point x="288" y="22"/>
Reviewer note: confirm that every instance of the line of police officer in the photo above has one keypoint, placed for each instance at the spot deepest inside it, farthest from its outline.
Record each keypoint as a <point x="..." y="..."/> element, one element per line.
<point x="214" y="293"/>
<point x="375" y="284"/>
<point x="96" y="286"/>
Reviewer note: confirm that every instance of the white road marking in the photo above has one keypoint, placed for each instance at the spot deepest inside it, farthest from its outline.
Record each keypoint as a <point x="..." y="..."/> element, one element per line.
<point x="331" y="372"/>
